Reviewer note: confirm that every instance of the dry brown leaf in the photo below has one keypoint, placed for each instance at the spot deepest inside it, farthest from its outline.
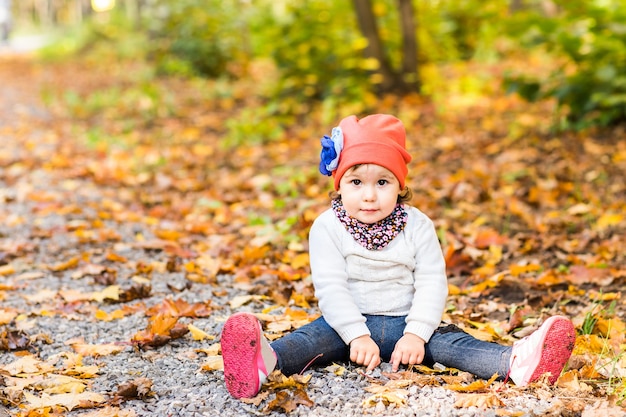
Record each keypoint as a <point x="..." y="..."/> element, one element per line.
<point x="258" y="399"/>
<point x="603" y="408"/>
<point x="137" y="388"/>
<point x="288" y="400"/>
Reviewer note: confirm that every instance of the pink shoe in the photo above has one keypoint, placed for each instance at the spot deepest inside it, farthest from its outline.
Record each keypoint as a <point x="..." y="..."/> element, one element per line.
<point x="248" y="357"/>
<point x="546" y="350"/>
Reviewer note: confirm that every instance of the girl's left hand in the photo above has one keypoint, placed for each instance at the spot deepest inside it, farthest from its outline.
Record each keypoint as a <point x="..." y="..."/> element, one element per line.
<point x="409" y="350"/>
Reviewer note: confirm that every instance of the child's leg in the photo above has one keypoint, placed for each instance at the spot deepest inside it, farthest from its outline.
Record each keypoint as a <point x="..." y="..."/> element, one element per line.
<point x="547" y="350"/>
<point x="452" y="347"/>
<point x="315" y="343"/>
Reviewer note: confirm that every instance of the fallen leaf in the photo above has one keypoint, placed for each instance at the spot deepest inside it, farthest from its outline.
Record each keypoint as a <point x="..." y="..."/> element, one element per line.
<point x="68" y="401"/>
<point x="475" y="386"/>
<point x="105" y="349"/>
<point x="482" y="401"/>
<point x="138" y="388"/>
<point x="198" y="334"/>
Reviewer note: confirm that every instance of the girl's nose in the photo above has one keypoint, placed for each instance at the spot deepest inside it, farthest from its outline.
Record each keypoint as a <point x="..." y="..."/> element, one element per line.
<point x="369" y="193"/>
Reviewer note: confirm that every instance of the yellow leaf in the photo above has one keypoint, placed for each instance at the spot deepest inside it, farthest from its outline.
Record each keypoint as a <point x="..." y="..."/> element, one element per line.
<point x="83" y="372"/>
<point x="111" y="292"/>
<point x="212" y="350"/>
<point x="96" y="350"/>
<point x="62" y="384"/>
<point x="482" y="401"/>
<point x="198" y="334"/>
<point x="453" y="289"/>
<point x="244" y="299"/>
<point x="6" y="270"/>
<point x="300" y="300"/>
<point x="474" y="386"/>
<point x="336" y="369"/>
<point x="114" y="315"/>
<point x="604" y="296"/>
<point x="69" y="401"/>
<point x="607" y="220"/>
<point x="279" y="326"/>
<point x="213" y="363"/>
<point x="613" y="328"/>
<point x="300" y="261"/>
<point x="28" y="364"/>
<point x="517" y="270"/>
<point x="589" y="343"/>
<point x="109" y="411"/>
<point x="62" y="266"/>
<point x="387" y="396"/>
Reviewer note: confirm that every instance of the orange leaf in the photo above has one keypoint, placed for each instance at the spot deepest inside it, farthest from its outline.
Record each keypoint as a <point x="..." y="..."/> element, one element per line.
<point x="300" y="261"/>
<point x="517" y="270"/>
<point x="475" y="386"/>
<point x="62" y="266"/>
<point x="6" y="270"/>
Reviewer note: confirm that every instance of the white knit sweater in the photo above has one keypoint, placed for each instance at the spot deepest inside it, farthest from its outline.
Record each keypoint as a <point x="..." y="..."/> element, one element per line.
<point x="406" y="278"/>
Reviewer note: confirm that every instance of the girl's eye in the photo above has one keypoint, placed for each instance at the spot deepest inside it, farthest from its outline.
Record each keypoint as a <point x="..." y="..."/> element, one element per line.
<point x="356" y="182"/>
<point x="382" y="182"/>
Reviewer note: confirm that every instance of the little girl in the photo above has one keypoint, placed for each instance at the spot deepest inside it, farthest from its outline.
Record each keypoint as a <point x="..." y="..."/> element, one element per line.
<point x="380" y="280"/>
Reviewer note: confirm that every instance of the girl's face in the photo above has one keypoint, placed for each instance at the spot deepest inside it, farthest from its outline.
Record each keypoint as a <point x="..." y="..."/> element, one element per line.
<point x="369" y="192"/>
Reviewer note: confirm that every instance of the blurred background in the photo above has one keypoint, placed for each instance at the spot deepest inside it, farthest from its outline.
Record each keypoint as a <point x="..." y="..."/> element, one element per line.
<point x="344" y="55"/>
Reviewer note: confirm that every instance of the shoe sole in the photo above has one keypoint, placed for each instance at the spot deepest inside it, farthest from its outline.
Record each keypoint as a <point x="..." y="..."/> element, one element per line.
<point x="241" y="346"/>
<point x="556" y="349"/>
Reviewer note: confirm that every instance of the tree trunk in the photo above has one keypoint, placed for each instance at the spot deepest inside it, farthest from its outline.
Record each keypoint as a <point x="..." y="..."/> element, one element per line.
<point x="406" y="80"/>
<point x="516" y="6"/>
<point x="410" y="73"/>
<point x="375" y="49"/>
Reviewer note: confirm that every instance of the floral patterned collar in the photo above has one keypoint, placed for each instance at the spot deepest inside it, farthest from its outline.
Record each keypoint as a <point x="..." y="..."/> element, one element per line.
<point x="372" y="236"/>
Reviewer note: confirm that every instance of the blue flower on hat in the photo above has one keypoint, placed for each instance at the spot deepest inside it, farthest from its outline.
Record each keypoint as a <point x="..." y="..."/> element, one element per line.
<point x="331" y="150"/>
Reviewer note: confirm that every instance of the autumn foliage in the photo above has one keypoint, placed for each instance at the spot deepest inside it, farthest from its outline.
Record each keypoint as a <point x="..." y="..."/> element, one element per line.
<point x="531" y="224"/>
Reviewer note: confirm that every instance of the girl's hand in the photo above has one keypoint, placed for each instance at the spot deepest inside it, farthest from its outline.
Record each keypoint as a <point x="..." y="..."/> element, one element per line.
<point x="364" y="351"/>
<point x="409" y="350"/>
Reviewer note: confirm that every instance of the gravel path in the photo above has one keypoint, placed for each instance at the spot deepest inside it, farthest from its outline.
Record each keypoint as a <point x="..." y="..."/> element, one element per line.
<point x="40" y="214"/>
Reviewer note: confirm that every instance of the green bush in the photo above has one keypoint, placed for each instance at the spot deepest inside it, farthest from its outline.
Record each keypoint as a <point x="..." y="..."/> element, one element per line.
<point x="590" y="86"/>
<point x="317" y="49"/>
<point x="191" y="37"/>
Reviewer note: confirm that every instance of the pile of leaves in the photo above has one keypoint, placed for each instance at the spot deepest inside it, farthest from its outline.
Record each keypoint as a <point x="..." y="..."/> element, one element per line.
<point x="531" y="225"/>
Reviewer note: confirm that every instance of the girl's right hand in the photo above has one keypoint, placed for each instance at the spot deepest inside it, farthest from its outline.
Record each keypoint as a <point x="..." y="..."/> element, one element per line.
<point x="364" y="351"/>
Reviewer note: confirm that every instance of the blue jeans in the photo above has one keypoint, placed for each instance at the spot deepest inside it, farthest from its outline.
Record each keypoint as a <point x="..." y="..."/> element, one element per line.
<point x="449" y="346"/>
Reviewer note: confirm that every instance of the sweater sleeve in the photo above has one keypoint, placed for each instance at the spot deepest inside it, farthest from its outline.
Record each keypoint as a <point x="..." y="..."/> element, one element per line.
<point x="330" y="278"/>
<point x="430" y="282"/>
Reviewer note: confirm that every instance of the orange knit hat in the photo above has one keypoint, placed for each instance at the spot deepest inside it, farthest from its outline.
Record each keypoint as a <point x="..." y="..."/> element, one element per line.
<point x="376" y="139"/>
